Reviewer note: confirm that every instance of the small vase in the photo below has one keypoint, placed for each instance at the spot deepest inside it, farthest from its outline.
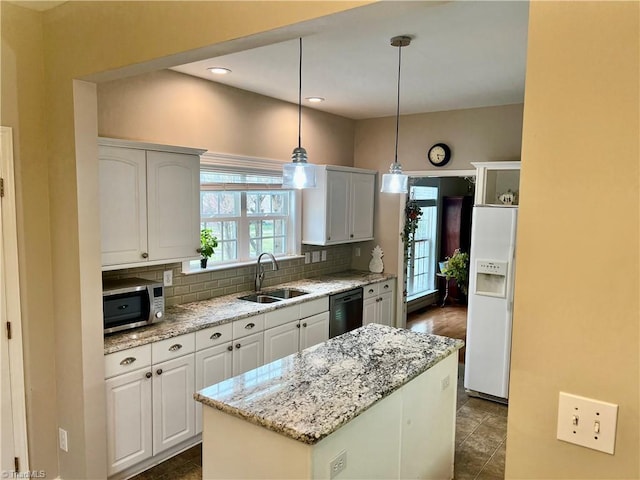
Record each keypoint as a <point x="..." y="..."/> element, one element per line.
<point x="203" y="262"/>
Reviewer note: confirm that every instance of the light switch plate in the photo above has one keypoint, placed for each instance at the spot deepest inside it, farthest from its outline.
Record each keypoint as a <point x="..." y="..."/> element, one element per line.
<point x="587" y="422"/>
<point x="167" y="278"/>
<point x="307" y="257"/>
<point x="315" y="256"/>
<point x="324" y="255"/>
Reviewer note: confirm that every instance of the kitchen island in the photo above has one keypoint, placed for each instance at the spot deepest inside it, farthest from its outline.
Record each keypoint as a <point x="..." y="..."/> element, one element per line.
<point x="376" y="402"/>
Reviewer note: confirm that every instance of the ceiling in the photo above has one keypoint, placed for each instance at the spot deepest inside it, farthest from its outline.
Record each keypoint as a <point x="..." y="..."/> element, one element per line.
<point x="464" y="54"/>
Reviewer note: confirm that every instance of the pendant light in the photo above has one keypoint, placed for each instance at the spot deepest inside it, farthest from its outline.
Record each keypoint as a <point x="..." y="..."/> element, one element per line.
<point x="395" y="181"/>
<point x="299" y="173"/>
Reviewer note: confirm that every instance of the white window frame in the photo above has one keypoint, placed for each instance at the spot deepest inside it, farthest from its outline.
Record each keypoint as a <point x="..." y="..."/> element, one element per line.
<point x="223" y="162"/>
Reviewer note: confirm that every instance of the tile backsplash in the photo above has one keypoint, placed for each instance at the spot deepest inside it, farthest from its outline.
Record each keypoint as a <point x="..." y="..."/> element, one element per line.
<point x="201" y="286"/>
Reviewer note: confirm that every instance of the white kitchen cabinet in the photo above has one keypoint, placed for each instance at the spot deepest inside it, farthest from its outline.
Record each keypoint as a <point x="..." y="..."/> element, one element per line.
<point x="497" y="183"/>
<point x="149" y="203"/>
<point x="213" y="365"/>
<point x="377" y="306"/>
<point x="248" y="353"/>
<point x="128" y="419"/>
<point x="340" y="208"/>
<point x="281" y="341"/>
<point x="173" y="404"/>
<point x="151" y="408"/>
<point x="314" y="330"/>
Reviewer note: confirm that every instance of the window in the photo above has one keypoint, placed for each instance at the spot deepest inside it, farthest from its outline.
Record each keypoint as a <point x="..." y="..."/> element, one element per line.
<point x="421" y="268"/>
<point x="247" y="211"/>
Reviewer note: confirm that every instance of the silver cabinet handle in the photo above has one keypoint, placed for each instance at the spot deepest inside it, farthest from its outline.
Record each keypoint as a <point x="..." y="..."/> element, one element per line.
<point x="175" y="347"/>
<point x="298" y="325"/>
<point x="145" y="255"/>
<point x="215" y="336"/>
<point x="386" y="286"/>
<point x="148" y="374"/>
<point x="371" y="290"/>
<point x="230" y="348"/>
<point x="128" y="361"/>
<point x="159" y="371"/>
<point x="249" y="326"/>
<point x="304" y="325"/>
<point x="238" y="345"/>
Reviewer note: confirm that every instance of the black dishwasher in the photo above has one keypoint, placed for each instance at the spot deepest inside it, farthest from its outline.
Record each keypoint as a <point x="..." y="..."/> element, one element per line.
<point x="346" y="312"/>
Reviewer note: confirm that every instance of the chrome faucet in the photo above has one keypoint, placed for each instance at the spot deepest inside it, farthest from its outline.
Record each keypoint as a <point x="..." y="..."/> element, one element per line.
<point x="260" y="270"/>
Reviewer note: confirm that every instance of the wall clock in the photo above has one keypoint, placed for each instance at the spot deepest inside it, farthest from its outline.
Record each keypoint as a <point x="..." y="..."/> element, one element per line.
<point x="439" y="155"/>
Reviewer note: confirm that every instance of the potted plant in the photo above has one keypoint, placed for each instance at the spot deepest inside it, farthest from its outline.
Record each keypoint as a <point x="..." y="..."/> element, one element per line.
<point x="207" y="244"/>
<point x="457" y="267"/>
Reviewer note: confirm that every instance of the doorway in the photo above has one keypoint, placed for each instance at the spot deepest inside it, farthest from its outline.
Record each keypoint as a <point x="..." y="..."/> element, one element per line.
<point x="13" y="423"/>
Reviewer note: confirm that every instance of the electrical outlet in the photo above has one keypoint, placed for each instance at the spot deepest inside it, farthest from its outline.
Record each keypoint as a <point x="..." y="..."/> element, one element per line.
<point x="62" y="439"/>
<point x="324" y="255"/>
<point x="357" y="251"/>
<point x="315" y="257"/>
<point x="307" y="257"/>
<point x="338" y="464"/>
<point x="587" y="422"/>
<point x="168" y="278"/>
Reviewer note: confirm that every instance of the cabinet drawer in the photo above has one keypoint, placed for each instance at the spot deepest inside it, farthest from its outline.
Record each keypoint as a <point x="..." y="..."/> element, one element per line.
<point x="313" y="307"/>
<point x="212" y="336"/>
<point x="173" y="347"/>
<point x="247" y="326"/>
<point x="371" y="290"/>
<point x="384" y="287"/>
<point x="127" y="360"/>
<point x="281" y="316"/>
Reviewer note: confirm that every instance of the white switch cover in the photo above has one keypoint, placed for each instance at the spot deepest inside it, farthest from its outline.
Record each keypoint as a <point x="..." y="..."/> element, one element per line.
<point x="307" y="257"/>
<point x="315" y="256"/>
<point x="324" y="255"/>
<point x="587" y="422"/>
<point x="168" y="278"/>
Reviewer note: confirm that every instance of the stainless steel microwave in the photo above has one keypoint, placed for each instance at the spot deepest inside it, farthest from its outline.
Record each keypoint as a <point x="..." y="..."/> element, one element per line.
<point x="130" y="303"/>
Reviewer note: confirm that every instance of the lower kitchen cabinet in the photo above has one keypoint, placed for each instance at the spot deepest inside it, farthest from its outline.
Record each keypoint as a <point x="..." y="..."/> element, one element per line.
<point x="295" y="336"/>
<point x="213" y="365"/>
<point x="173" y="404"/>
<point x="377" y="306"/>
<point x="248" y="353"/>
<point x="128" y="419"/>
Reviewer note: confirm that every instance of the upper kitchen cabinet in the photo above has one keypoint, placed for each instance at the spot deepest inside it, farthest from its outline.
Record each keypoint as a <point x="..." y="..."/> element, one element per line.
<point x="497" y="183"/>
<point x="149" y="203"/>
<point x="340" y="208"/>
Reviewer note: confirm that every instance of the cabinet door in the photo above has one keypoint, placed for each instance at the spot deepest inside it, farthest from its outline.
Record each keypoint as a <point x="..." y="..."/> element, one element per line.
<point x="370" y="310"/>
<point x="123" y="205"/>
<point x="362" y="199"/>
<point x="248" y="353"/>
<point x="314" y="330"/>
<point x="338" y="218"/>
<point x="173" y="203"/>
<point x="173" y="404"/>
<point x="385" y="309"/>
<point x="213" y="365"/>
<point x="128" y="419"/>
<point x="281" y="341"/>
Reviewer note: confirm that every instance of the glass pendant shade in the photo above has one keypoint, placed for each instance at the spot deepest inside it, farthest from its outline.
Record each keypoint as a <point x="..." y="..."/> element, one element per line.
<point x="298" y="173"/>
<point x="395" y="181"/>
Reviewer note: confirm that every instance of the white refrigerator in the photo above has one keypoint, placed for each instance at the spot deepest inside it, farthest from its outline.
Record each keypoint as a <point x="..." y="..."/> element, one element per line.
<point x="490" y="296"/>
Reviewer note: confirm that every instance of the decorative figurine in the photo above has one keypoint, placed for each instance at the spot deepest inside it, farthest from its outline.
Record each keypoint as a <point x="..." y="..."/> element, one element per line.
<point x="376" y="265"/>
<point x="507" y="198"/>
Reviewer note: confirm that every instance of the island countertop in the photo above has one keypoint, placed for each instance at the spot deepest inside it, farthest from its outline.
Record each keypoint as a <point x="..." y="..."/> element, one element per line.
<point x="190" y="317"/>
<point x="309" y="395"/>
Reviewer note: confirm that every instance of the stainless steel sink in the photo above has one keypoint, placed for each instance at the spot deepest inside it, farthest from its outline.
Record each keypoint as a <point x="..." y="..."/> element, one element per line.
<point x="285" y="293"/>
<point x="259" y="298"/>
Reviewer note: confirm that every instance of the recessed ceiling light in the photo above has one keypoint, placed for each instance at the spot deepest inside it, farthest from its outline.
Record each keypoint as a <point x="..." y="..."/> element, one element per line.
<point x="219" y="70"/>
<point x="314" y="99"/>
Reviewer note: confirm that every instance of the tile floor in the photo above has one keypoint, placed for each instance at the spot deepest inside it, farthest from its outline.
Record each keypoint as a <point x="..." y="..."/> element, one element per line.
<point x="481" y="425"/>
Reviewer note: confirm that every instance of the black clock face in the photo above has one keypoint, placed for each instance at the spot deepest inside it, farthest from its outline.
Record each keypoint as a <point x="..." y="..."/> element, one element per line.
<point x="439" y="155"/>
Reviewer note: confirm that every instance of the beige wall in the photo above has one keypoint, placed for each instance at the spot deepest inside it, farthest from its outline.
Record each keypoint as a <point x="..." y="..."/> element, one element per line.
<point x="176" y="109"/>
<point x="474" y="135"/>
<point x="576" y="306"/>
<point x="22" y="105"/>
<point x="78" y="39"/>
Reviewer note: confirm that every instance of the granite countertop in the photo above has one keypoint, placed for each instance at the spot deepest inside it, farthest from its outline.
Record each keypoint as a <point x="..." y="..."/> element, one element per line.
<point x="309" y="395"/>
<point x="190" y="317"/>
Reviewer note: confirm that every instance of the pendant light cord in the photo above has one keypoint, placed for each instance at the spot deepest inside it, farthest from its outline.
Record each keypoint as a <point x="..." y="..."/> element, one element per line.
<point x="398" y="104"/>
<point x="300" y="97"/>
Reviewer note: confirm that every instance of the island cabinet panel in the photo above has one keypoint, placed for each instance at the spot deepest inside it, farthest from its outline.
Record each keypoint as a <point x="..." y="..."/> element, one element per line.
<point x="340" y="208"/>
<point x="128" y="419"/>
<point x="173" y="405"/>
